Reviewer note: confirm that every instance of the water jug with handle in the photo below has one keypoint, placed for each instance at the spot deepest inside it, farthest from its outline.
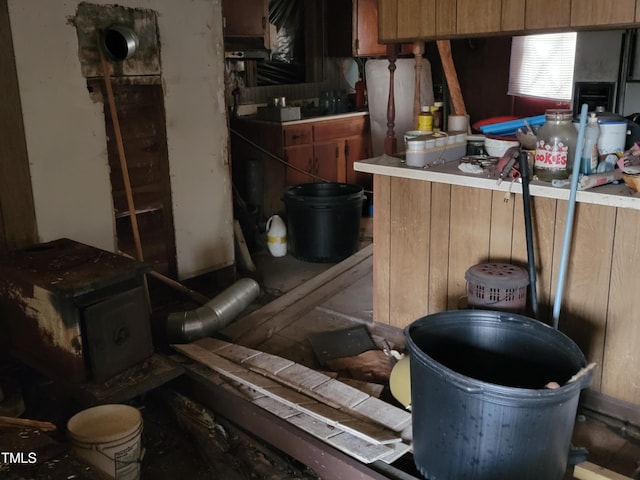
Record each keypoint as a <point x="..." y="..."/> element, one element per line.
<point x="276" y="236"/>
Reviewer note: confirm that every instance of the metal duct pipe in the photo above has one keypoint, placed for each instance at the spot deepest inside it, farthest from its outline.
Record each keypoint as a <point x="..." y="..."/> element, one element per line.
<point x="185" y="327"/>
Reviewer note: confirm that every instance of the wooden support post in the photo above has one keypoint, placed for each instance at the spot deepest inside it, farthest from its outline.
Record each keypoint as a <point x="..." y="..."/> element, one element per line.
<point x="418" y="51"/>
<point x="457" y="101"/>
<point x="390" y="141"/>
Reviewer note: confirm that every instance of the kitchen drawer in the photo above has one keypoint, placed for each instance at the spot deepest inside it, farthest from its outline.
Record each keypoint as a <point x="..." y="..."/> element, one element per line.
<point x="297" y="135"/>
<point x="332" y="129"/>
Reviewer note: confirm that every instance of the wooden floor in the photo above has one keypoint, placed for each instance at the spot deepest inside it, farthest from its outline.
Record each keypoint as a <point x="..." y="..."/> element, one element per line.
<point x="341" y="297"/>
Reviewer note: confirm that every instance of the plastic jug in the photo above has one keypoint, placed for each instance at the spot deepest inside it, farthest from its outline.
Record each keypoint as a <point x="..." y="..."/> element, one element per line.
<point x="276" y="236"/>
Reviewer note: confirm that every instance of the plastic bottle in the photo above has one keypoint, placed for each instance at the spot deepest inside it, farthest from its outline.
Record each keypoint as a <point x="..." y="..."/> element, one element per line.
<point x="556" y="146"/>
<point x="276" y="236"/>
<point x="436" y="111"/>
<point x="589" y="157"/>
<point x="425" y="119"/>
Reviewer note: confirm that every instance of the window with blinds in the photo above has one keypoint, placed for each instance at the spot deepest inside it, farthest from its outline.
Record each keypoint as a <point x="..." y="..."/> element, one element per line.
<point x="542" y="66"/>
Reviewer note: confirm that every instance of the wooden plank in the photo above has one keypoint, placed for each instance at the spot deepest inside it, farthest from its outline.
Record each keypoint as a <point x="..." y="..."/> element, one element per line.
<point x="440" y="210"/>
<point x="601" y="12"/>
<point x="543" y="211"/>
<point x="416" y="19"/>
<point x="501" y="233"/>
<point x="469" y="241"/>
<point x="621" y="348"/>
<point x="409" y="277"/>
<point x="472" y="19"/>
<point x="588" y="271"/>
<point x="512" y="15"/>
<point x="537" y="14"/>
<point x="244" y="259"/>
<point x="387" y="20"/>
<point x="382" y="248"/>
<point x="251" y="328"/>
<point x="590" y="471"/>
<point x="445" y="18"/>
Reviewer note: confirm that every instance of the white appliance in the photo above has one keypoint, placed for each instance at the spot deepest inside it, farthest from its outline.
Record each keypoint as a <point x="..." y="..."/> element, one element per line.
<point x="377" y="80"/>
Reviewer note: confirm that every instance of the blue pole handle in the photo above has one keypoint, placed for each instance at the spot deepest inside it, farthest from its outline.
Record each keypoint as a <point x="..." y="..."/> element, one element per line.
<point x="568" y="227"/>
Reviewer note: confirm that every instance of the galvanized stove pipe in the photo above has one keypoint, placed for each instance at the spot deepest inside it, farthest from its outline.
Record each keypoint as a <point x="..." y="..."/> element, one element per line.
<point x="185" y="327"/>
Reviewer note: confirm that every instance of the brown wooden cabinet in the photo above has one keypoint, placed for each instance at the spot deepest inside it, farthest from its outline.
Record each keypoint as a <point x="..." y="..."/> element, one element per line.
<point x="331" y="148"/>
<point x="408" y="20"/>
<point x="316" y="150"/>
<point x="352" y="29"/>
<point x="245" y="18"/>
<point x="602" y="12"/>
<point x="473" y="16"/>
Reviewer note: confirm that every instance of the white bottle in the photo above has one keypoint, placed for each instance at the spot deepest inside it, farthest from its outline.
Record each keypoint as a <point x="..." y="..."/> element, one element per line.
<point x="276" y="236"/>
<point x="589" y="157"/>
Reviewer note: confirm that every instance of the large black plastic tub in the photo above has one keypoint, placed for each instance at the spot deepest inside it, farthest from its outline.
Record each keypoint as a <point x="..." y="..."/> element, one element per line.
<point x="480" y="410"/>
<point x="323" y="221"/>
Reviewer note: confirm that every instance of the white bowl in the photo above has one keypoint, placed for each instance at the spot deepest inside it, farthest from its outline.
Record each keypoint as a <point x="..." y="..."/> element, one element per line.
<point x="496" y="147"/>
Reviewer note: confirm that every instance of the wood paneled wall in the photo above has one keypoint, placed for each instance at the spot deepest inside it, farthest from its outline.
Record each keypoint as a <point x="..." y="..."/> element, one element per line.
<point x="426" y="235"/>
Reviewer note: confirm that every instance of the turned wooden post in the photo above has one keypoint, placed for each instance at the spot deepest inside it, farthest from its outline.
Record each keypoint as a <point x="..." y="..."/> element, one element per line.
<point x="390" y="142"/>
<point x="418" y="51"/>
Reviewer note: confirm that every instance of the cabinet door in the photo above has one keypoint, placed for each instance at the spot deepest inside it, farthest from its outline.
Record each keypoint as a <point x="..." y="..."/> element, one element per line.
<point x="245" y="18"/>
<point x="473" y="16"/>
<point x="512" y="18"/>
<point x="327" y="158"/>
<point x="301" y="158"/>
<point x="366" y="22"/>
<point x="544" y="14"/>
<point x="601" y="12"/>
<point x="416" y="19"/>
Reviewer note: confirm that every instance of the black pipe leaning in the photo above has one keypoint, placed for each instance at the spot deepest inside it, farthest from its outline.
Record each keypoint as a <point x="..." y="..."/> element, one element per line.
<point x="526" y="201"/>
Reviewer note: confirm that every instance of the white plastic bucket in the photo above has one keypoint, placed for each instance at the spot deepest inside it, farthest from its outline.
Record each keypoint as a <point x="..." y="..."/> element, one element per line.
<point x="108" y="437"/>
<point x="613" y="136"/>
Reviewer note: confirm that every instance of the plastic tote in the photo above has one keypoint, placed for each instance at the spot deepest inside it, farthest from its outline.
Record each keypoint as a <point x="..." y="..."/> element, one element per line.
<point x="323" y="220"/>
<point x="480" y="409"/>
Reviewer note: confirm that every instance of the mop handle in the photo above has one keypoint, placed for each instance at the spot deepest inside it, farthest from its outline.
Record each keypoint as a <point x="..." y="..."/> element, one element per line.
<point x="568" y="227"/>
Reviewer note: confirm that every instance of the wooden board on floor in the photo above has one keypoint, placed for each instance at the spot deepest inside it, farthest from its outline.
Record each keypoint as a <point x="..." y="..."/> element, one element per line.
<point x="590" y="471"/>
<point x="361" y="439"/>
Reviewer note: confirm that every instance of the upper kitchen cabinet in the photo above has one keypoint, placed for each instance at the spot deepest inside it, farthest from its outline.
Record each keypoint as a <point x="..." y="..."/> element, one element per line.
<point x="415" y="19"/>
<point x="353" y="29"/>
<point x="246" y="21"/>
<point x="473" y="16"/>
<point x="602" y="12"/>
<point x="547" y="14"/>
<point x="512" y="16"/>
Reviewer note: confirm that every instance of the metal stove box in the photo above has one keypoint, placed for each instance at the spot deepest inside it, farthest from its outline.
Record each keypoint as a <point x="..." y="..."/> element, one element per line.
<point x="74" y="312"/>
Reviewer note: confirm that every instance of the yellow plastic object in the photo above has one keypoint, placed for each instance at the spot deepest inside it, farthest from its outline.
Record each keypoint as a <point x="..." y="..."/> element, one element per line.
<point x="400" y="382"/>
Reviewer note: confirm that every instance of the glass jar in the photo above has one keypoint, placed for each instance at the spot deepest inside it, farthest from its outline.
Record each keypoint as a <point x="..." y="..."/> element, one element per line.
<point x="555" y="146"/>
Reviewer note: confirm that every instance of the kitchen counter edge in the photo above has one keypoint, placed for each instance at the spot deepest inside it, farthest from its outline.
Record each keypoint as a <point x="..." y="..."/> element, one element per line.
<point x="321" y="118"/>
<point x="619" y="195"/>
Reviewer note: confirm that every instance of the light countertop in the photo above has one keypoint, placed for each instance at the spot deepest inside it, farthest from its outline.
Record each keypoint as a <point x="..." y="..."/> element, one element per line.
<point x="609" y="195"/>
<point x="321" y="118"/>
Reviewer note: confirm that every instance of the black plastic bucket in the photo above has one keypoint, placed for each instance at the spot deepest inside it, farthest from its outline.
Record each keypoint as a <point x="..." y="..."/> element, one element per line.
<point x="480" y="410"/>
<point x="323" y="220"/>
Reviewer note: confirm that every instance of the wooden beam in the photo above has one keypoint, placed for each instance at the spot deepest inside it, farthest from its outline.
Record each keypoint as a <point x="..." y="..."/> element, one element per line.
<point x="591" y="471"/>
<point x="444" y="48"/>
<point x="390" y="141"/>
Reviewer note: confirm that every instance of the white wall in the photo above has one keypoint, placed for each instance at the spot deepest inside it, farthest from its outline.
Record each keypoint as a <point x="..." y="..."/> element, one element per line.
<point x="65" y="130"/>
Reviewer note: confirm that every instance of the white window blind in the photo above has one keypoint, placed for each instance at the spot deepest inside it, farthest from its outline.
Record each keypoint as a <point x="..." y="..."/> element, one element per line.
<point x="542" y="66"/>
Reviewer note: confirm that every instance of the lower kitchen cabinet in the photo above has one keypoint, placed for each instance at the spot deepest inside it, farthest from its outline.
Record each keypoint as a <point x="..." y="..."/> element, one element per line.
<point x="313" y="150"/>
